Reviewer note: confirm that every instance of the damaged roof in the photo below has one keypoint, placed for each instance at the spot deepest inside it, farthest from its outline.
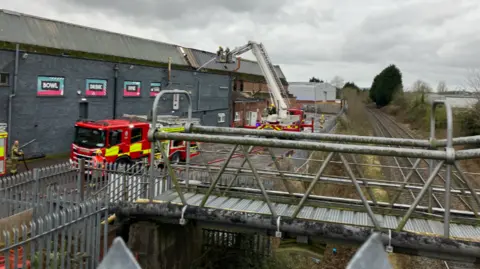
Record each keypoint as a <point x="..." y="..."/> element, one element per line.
<point x="22" y="28"/>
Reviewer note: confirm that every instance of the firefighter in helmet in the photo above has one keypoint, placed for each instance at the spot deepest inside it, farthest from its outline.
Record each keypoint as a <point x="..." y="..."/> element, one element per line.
<point x="98" y="164"/>
<point x="15" y="155"/>
<point x="273" y="110"/>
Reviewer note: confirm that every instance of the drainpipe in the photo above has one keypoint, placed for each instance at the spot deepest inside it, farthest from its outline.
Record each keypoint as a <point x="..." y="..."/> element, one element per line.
<point x="169" y="69"/>
<point x="14" y="89"/>
<point x="115" y="85"/>
<point x="198" y="92"/>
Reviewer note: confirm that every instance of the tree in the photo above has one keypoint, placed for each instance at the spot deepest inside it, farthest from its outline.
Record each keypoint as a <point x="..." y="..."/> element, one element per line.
<point x="442" y="87"/>
<point x="473" y="82"/>
<point x="421" y="87"/>
<point x="314" y="79"/>
<point x="351" y="85"/>
<point x="373" y="89"/>
<point x="338" y="82"/>
<point x="385" y="85"/>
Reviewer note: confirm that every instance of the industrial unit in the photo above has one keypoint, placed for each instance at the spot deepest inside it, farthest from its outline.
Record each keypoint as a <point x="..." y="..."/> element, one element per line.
<point x="47" y="66"/>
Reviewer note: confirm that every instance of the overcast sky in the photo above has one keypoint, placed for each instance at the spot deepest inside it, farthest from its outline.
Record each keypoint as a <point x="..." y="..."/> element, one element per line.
<point x="431" y="40"/>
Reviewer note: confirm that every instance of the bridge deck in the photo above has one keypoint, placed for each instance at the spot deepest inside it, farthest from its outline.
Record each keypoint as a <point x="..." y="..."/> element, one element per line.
<point x="415" y="225"/>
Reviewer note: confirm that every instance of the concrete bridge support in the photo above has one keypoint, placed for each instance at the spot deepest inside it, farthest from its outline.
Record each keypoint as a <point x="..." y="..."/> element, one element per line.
<point x="165" y="246"/>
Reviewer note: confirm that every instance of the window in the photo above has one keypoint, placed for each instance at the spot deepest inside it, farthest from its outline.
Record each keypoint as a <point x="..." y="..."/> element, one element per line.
<point x="115" y="137"/>
<point x="221" y="117"/>
<point x="237" y="116"/>
<point x="177" y="143"/>
<point x="89" y="138"/>
<point x="136" y="135"/>
<point x="4" y="79"/>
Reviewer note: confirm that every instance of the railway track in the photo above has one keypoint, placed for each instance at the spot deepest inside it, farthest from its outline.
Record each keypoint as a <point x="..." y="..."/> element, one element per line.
<point x="393" y="129"/>
<point x="385" y="125"/>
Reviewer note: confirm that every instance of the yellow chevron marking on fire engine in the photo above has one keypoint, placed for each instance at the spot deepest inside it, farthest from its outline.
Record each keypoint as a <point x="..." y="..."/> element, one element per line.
<point x="113" y="151"/>
<point x="136" y="147"/>
<point x="172" y="129"/>
<point x="2" y="151"/>
<point x="3" y="135"/>
<point x="146" y="151"/>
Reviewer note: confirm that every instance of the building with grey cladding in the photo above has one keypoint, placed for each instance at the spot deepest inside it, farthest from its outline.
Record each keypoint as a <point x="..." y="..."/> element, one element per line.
<point x="31" y="47"/>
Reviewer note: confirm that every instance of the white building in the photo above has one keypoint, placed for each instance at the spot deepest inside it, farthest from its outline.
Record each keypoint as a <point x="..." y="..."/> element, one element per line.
<point x="454" y="100"/>
<point x="312" y="91"/>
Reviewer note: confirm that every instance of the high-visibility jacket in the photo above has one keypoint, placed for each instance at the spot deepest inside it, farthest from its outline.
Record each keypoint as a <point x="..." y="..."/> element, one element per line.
<point x="98" y="162"/>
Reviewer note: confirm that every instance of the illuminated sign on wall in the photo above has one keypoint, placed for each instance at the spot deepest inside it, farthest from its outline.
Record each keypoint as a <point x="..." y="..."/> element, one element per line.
<point x="131" y="88"/>
<point x="155" y="88"/>
<point x="50" y="86"/>
<point x="96" y="87"/>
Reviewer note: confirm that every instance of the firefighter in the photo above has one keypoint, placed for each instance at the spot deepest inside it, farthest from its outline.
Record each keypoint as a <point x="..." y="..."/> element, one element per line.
<point x="322" y="119"/>
<point x="273" y="110"/>
<point x="220" y="51"/>
<point x="15" y="155"/>
<point x="98" y="164"/>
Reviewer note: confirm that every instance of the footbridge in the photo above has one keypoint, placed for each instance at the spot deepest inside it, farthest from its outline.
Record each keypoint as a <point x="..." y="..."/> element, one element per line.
<point x="431" y="210"/>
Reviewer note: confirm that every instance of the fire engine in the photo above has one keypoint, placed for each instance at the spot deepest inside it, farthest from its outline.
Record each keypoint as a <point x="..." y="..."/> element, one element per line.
<point x="125" y="141"/>
<point x="281" y="116"/>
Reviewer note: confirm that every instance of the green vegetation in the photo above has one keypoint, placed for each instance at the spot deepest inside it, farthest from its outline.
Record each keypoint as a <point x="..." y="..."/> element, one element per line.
<point x="385" y="85"/>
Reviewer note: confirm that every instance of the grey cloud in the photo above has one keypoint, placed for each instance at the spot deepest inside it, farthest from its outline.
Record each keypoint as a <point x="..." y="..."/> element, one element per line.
<point x="430" y="40"/>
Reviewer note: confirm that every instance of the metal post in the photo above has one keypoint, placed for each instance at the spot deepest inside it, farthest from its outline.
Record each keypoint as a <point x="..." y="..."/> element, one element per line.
<point x="236" y="173"/>
<point x="312" y="184"/>
<point x="316" y="146"/>
<point x="360" y="193"/>
<point x="260" y="184"/>
<point x="323" y="137"/>
<point x="81" y="180"/>
<point x="450" y="157"/>
<point x="315" y="97"/>
<point x="172" y="175"/>
<point x="405" y="181"/>
<point x="218" y="176"/>
<point x="153" y="129"/>
<point x="419" y="196"/>
<point x="36" y="188"/>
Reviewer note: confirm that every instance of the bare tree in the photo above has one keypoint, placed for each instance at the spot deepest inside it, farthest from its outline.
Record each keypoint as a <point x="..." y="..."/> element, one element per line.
<point x="442" y="87"/>
<point x="338" y="82"/>
<point x="473" y="82"/>
<point x="421" y="86"/>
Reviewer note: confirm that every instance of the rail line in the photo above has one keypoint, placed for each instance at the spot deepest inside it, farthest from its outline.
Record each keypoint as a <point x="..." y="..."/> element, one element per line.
<point x="384" y="125"/>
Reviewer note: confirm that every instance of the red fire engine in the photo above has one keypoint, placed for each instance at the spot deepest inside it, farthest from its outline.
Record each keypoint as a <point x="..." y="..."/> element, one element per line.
<point x="125" y="140"/>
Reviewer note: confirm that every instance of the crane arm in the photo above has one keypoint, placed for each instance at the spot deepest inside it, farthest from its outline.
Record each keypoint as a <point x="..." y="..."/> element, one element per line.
<point x="274" y="83"/>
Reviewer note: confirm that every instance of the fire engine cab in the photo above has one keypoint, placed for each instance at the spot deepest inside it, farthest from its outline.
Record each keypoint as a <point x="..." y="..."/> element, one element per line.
<point x="125" y="141"/>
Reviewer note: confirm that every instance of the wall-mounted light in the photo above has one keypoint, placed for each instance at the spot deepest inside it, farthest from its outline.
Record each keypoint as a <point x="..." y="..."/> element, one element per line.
<point x="25" y="56"/>
<point x="79" y="92"/>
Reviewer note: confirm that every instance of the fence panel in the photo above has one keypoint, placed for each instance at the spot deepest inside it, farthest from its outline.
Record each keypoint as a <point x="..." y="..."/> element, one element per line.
<point x="69" y="238"/>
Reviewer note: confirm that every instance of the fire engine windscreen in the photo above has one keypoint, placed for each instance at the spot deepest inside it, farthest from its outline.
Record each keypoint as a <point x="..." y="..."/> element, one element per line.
<point x="89" y="138"/>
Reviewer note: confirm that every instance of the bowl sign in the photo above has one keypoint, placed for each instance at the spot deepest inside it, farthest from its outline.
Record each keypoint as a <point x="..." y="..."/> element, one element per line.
<point x="131" y="88"/>
<point x="50" y="86"/>
<point x="96" y="87"/>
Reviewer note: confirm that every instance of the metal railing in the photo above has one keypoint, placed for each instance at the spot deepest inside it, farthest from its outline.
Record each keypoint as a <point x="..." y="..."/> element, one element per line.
<point x="70" y="238"/>
<point x="441" y="151"/>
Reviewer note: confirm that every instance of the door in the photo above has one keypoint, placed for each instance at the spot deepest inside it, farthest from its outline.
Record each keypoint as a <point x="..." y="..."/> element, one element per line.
<point x="253" y="118"/>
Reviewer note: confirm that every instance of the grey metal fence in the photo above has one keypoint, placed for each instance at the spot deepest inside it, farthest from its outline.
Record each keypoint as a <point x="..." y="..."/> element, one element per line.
<point x="69" y="238"/>
<point x="51" y="188"/>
